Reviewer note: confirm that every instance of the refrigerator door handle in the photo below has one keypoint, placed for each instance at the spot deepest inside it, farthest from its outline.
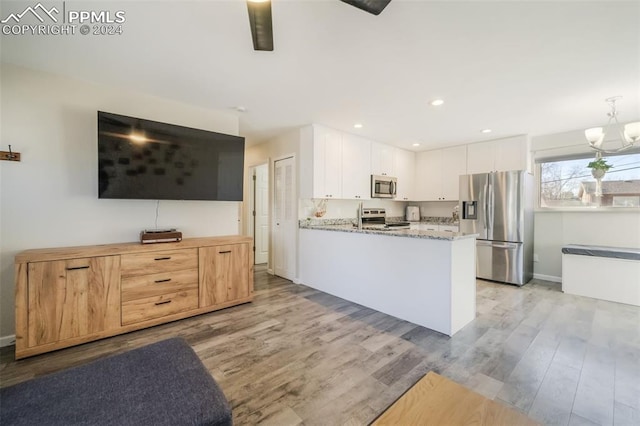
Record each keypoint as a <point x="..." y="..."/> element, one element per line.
<point x="485" y="204"/>
<point x="505" y="246"/>
<point x="490" y="206"/>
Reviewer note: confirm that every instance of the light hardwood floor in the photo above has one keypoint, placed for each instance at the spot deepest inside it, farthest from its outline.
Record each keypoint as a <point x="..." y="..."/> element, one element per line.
<point x="299" y="356"/>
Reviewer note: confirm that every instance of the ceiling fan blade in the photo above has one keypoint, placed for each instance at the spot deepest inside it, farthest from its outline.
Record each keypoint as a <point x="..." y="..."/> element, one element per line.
<point x="371" y="6"/>
<point x="261" y="25"/>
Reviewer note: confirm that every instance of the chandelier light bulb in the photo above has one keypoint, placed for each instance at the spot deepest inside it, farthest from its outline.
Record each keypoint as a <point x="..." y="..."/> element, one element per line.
<point x="595" y="135"/>
<point x="632" y="132"/>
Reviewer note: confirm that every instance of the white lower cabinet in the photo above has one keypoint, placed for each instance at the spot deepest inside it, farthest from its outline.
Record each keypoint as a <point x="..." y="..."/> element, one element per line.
<point x="434" y="227"/>
<point x="448" y="228"/>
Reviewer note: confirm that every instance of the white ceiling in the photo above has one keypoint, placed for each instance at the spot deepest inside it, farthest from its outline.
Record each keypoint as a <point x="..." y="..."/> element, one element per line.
<point x="513" y="66"/>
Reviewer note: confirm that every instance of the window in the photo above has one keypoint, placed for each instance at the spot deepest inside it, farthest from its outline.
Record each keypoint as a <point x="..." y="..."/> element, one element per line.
<point x="568" y="183"/>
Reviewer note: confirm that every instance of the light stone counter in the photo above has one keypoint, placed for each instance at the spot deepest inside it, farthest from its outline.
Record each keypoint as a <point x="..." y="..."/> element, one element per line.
<point x="409" y="233"/>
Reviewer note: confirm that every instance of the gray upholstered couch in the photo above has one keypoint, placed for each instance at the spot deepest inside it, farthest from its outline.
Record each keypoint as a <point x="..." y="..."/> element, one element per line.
<point x="161" y="384"/>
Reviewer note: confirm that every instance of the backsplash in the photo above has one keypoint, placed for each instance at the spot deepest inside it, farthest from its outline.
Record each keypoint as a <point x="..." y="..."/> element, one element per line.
<point x="337" y="209"/>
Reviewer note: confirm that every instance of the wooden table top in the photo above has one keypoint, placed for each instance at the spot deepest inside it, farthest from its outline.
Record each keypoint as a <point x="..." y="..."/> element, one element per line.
<point x="435" y="400"/>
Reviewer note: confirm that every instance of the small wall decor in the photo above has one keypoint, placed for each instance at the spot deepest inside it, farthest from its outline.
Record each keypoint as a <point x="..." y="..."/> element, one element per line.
<point x="9" y="155"/>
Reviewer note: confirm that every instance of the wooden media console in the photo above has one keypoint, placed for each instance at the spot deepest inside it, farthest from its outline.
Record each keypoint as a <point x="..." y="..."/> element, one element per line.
<point x="72" y="295"/>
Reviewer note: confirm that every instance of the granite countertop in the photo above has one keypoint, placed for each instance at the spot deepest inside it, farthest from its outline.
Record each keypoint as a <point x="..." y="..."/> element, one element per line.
<point x="427" y="220"/>
<point x="349" y="227"/>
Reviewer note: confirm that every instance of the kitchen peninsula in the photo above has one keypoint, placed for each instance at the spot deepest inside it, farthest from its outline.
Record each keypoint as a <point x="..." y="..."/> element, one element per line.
<point x="425" y="277"/>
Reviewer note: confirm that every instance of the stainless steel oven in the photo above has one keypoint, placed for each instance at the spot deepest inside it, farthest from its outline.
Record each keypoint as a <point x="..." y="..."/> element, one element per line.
<point x="383" y="186"/>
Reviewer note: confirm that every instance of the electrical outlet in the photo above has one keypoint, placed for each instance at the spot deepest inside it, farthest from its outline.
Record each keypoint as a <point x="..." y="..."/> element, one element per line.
<point x="535" y="258"/>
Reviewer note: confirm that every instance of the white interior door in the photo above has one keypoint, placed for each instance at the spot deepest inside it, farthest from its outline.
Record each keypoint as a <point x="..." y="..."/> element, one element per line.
<point x="261" y="216"/>
<point x="284" y="218"/>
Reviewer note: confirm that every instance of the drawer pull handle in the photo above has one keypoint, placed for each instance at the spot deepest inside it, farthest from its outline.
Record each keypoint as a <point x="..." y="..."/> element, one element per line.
<point x="226" y="251"/>
<point x="163" y="258"/>
<point x="166" y="280"/>
<point x="163" y="303"/>
<point x="73" y="268"/>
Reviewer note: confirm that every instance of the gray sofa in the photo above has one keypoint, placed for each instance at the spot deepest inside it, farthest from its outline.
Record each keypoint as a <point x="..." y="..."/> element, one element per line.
<point x="164" y="383"/>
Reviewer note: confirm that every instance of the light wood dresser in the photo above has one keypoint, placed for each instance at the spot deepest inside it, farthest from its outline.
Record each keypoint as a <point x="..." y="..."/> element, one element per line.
<point x="72" y="295"/>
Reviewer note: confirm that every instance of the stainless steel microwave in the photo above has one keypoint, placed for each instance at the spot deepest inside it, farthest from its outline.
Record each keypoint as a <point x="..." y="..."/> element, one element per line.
<point x="383" y="186"/>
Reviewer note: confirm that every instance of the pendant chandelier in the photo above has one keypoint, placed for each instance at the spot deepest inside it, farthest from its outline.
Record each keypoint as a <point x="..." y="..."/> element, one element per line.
<point x="628" y="135"/>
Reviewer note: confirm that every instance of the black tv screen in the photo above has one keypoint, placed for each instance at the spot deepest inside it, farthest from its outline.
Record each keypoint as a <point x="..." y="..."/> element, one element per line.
<point x="144" y="159"/>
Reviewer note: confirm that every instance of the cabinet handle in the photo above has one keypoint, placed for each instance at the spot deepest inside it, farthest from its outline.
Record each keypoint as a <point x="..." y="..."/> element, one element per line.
<point x="163" y="258"/>
<point x="163" y="303"/>
<point x="166" y="280"/>
<point x="73" y="268"/>
<point x="226" y="251"/>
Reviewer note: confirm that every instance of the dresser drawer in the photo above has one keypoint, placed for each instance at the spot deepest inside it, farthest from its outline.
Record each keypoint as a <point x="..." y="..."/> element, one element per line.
<point x="159" y="261"/>
<point x="148" y="308"/>
<point x="141" y="286"/>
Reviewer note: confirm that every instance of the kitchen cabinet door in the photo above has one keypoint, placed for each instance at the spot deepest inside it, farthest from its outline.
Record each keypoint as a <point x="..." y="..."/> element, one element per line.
<point x="405" y="165"/>
<point x="510" y="154"/>
<point x="437" y="173"/>
<point x="382" y="158"/>
<point x="480" y="157"/>
<point x="498" y="155"/>
<point x="327" y="163"/>
<point x="428" y="183"/>
<point x="73" y="298"/>
<point x="454" y="164"/>
<point x="223" y="274"/>
<point x="356" y="167"/>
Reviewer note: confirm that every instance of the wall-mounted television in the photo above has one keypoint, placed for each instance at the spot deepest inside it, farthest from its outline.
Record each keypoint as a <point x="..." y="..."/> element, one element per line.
<point x="144" y="159"/>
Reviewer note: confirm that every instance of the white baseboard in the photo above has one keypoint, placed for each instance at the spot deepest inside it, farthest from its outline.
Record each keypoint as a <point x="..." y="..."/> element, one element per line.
<point x="7" y="340"/>
<point x="548" y="278"/>
<point x="296" y="280"/>
<point x="270" y="271"/>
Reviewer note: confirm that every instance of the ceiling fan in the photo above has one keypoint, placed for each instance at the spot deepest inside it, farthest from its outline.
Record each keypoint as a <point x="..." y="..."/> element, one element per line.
<point x="262" y="28"/>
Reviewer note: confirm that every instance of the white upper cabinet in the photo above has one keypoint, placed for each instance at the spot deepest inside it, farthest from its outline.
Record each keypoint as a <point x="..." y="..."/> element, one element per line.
<point x="404" y="168"/>
<point x="334" y="164"/>
<point x="382" y="159"/>
<point x="454" y="164"/>
<point x="356" y="167"/>
<point x="428" y="180"/>
<point x="438" y="174"/>
<point x="498" y="155"/>
<point x="320" y="162"/>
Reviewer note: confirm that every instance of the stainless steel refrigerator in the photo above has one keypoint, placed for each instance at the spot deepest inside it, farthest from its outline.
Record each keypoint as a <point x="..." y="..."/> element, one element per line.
<point x="499" y="208"/>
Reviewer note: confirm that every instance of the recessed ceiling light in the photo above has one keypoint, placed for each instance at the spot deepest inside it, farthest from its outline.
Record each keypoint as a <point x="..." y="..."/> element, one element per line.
<point x="358" y="126"/>
<point x="486" y="130"/>
<point x="437" y="102"/>
<point x="416" y="144"/>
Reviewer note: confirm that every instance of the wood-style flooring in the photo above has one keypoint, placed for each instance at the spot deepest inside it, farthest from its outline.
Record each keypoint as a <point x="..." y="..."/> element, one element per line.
<point x="299" y="356"/>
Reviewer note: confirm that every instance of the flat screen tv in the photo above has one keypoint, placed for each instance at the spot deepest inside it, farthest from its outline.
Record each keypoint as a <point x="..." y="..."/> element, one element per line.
<point x="144" y="159"/>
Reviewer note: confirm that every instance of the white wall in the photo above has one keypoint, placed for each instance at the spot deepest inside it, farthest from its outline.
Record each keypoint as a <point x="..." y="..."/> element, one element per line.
<point x="436" y="208"/>
<point x="283" y="145"/>
<point x="556" y="228"/>
<point x="50" y="198"/>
